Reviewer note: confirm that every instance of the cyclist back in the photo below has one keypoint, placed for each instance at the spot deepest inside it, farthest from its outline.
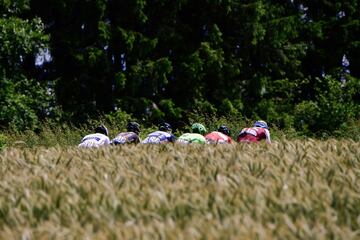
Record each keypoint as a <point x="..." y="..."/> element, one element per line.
<point x="255" y="134"/>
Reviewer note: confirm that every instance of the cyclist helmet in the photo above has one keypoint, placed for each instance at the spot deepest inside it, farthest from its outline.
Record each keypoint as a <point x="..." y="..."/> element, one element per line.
<point x="261" y="124"/>
<point x="198" y="128"/>
<point x="133" y="127"/>
<point x="166" y="127"/>
<point x="224" y="129"/>
<point x="102" y="129"/>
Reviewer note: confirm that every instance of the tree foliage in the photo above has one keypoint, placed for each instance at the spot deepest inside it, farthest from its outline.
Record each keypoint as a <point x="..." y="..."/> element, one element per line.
<point x="163" y="59"/>
<point x="24" y="99"/>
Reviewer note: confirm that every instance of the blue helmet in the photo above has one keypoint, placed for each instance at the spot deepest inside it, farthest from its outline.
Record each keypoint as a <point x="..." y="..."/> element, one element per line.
<point x="166" y="127"/>
<point x="102" y="129"/>
<point x="261" y="124"/>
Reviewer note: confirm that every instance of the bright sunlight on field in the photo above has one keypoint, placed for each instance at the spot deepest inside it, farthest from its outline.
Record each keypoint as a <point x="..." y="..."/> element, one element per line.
<point x="289" y="190"/>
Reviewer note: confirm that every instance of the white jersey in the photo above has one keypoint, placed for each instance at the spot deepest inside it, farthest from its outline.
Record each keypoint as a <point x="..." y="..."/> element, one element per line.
<point x="94" y="140"/>
<point x="159" y="137"/>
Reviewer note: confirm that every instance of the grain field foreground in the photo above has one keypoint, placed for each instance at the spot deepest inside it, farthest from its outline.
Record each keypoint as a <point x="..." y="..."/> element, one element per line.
<point x="294" y="190"/>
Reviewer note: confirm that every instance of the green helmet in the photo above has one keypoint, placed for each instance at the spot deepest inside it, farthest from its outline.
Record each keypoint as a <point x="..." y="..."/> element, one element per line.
<point x="198" y="128"/>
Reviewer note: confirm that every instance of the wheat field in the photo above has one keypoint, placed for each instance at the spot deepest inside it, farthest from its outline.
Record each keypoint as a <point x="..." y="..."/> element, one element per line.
<point x="303" y="189"/>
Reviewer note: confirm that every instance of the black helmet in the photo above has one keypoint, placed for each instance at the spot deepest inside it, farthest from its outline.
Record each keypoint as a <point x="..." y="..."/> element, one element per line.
<point x="166" y="127"/>
<point x="102" y="129"/>
<point x="224" y="129"/>
<point x="133" y="127"/>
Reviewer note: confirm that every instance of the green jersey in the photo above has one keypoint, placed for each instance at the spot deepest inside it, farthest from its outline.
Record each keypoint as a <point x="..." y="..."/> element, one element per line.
<point x="191" y="138"/>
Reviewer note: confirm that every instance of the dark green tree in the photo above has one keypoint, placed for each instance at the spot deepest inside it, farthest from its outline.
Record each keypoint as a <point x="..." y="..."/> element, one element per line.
<point x="24" y="99"/>
<point x="162" y="59"/>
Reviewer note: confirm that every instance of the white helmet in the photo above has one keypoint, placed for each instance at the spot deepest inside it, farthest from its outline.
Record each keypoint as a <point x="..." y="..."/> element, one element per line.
<point x="261" y="124"/>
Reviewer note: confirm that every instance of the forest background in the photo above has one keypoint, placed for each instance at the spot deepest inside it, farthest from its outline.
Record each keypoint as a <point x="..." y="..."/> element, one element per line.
<point x="294" y="64"/>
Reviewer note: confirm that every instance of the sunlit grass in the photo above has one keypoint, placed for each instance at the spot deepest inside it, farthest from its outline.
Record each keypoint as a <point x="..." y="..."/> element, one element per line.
<point x="289" y="190"/>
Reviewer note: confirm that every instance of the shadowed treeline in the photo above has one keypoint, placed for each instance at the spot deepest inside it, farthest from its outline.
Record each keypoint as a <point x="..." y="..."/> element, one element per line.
<point x="291" y="63"/>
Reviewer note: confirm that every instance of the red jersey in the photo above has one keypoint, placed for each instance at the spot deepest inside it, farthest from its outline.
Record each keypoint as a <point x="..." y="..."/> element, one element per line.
<point x="218" y="137"/>
<point x="254" y="134"/>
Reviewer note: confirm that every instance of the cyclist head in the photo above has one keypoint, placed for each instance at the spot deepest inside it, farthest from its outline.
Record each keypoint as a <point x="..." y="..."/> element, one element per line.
<point x="198" y="128"/>
<point x="261" y="124"/>
<point x="102" y="129"/>
<point x="224" y="129"/>
<point x="133" y="127"/>
<point x="166" y="127"/>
